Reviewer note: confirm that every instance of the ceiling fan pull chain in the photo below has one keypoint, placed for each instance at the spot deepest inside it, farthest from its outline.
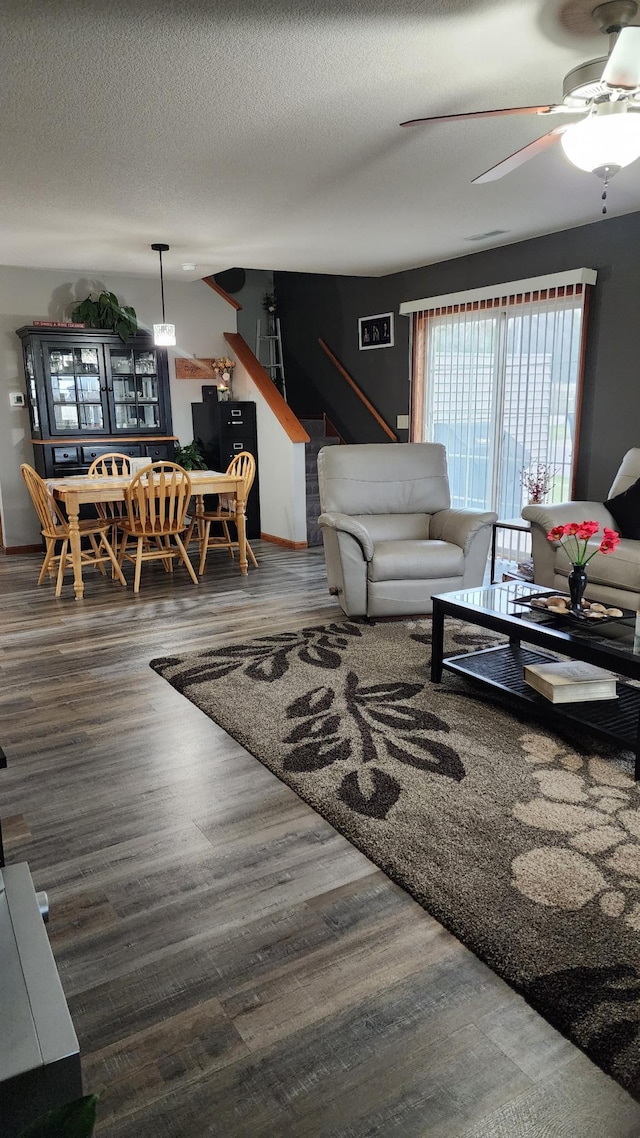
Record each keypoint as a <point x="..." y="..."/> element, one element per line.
<point x="606" y="187"/>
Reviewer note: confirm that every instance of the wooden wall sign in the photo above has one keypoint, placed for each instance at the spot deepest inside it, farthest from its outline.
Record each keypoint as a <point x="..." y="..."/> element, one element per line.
<point x="196" y="369"/>
<point x="219" y="369"/>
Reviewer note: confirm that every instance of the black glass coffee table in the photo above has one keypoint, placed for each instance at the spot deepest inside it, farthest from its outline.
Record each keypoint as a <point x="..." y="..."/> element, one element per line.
<point x="612" y="644"/>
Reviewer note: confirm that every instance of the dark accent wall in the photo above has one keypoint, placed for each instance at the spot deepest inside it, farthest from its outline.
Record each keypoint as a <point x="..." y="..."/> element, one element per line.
<point x="313" y="306"/>
<point x="257" y="283"/>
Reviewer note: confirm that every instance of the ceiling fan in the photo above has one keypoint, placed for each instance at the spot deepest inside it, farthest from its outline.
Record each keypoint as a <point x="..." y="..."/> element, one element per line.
<point x="604" y="92"/>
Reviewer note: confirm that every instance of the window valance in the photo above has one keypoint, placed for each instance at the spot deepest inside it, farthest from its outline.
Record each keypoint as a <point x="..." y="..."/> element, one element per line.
<point x="490" y="296"/>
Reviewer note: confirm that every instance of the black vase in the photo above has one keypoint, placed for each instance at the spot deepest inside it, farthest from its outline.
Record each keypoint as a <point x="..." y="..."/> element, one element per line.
<point x="577" y="581"/>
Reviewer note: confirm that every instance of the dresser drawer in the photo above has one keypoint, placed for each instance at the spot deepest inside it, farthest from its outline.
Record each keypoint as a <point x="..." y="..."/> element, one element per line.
<point x="236" y="417"/>
<point x="159" y="452"/>
<point x="132" y="450"/>
<point x="229" y="448"/>
<point x="63" y="455"/>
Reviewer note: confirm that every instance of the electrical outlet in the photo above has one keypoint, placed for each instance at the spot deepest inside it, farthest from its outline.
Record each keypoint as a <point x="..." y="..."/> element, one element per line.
<point x="17" y="399"/>
<point x="402" y="422"/>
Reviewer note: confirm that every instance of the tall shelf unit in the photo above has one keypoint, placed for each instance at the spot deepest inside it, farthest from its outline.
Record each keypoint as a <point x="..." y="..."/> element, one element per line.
<point x="88" y="393"/>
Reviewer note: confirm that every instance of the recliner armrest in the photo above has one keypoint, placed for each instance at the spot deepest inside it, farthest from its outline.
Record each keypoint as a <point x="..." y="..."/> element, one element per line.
<point x="459" y="527"/>
<point x="560" y="513"/>
<point x="348" y="525"/>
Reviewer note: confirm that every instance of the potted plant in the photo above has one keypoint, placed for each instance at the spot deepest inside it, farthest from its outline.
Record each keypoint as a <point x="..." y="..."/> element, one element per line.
<point x="105" y="311"/>
<point x="190" y="457"/>
<point x="537" y="481"/>
<point x="74" y="1120"/>
<point x="269" y="304"/>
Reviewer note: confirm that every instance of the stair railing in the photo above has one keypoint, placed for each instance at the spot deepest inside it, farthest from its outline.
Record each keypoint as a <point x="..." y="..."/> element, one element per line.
<point x="267" y="388"/>
<point x="359" y="392"/>
<point x="330" y="429"/>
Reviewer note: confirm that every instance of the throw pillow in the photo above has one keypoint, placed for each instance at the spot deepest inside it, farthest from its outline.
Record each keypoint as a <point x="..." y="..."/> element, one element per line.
<point x="625" y="508"/>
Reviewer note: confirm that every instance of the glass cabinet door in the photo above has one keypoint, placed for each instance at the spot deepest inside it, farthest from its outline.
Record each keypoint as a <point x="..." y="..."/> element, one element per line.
<point x="135" y="389"/>
<point x="76" y="388"/>
<point x="32" y="391"/>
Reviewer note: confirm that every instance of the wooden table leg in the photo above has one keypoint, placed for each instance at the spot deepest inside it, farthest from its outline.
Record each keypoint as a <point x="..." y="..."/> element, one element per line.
<point x="73" y="512"/>
<point x="241" y="525"/>
<point x="200" y="523"/>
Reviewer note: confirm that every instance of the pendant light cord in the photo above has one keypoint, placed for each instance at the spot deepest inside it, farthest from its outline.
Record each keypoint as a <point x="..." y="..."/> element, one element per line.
<point x="160" y="249"/>
<point x="161" y="285"/>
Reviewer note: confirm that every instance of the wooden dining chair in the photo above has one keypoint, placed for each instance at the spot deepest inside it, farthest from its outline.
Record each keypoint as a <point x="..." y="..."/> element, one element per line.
<point x="55" y="528"/>
<point x="156" y="504"/>
<point x="242" y="465"/>
<point x="111" y="465"/>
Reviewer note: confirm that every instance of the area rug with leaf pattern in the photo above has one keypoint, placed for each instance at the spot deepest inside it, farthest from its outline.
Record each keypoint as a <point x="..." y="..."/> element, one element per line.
<point x="523" y="842"/>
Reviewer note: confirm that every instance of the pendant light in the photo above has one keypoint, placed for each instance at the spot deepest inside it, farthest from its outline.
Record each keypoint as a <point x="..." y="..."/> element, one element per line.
<point x="164" y="335"/>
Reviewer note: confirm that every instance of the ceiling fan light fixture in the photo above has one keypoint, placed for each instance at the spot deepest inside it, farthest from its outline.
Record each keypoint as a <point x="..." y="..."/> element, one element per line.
<point x="164" y="335"/>
<point x="604" y="140"/>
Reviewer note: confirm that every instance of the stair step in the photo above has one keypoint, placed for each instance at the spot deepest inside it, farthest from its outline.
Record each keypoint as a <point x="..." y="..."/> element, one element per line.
<point x="313" y="427"/>
<point x="314" y="532"/>
<point x="317" y="444"/>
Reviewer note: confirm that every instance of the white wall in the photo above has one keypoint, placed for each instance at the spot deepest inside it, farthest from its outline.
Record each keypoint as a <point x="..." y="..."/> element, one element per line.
<point x="281" y="465"/>
<point x="200" y="315"/>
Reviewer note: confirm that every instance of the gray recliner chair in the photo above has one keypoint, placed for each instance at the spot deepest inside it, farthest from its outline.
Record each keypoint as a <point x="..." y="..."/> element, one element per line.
<point x="391" y="539"/>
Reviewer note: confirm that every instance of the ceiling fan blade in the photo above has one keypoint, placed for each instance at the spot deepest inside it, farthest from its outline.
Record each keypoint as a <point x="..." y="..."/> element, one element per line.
<point x="623" y="65"/>
<point x="520" y="156"/>
<point x="481" y="115"/>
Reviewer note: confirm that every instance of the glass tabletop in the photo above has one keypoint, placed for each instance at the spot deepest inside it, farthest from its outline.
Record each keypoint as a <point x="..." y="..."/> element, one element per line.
<point x="618" y="636"/>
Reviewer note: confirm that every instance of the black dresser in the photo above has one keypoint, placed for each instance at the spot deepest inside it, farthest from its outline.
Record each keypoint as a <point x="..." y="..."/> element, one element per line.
<point x="222" y="430"/>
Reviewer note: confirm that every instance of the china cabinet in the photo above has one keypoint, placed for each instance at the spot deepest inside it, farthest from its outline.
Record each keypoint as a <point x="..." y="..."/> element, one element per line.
<point x="88" y="393"/>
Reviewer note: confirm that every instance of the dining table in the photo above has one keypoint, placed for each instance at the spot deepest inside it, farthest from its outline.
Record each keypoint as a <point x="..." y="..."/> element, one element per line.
<point x="78" y="490"/>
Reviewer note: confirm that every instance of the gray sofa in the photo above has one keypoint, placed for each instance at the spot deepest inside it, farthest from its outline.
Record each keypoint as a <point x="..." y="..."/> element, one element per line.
<point x="613" y="578"/>
<point x="391" y="539"/>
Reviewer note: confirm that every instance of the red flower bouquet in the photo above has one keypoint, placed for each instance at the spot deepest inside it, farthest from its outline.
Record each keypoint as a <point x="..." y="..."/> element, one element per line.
<point x="574" y="538"/>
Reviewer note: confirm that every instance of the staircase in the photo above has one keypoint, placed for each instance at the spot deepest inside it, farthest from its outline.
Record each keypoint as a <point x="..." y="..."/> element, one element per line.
<point x="318" y="430"/>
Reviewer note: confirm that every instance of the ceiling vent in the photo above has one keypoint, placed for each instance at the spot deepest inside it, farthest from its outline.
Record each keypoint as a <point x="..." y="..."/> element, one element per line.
<point x="487" y="235"/>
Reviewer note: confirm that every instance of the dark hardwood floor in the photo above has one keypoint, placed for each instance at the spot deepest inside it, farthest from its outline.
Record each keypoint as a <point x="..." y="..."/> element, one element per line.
<point x="232" y="965"/>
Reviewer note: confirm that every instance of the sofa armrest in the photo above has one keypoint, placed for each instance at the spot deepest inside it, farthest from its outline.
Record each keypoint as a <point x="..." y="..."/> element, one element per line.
<point x="346" y="524"/>
<point x="544" y="518"/>
<point x="459" y="527"/>
<point x="560" y="513"/>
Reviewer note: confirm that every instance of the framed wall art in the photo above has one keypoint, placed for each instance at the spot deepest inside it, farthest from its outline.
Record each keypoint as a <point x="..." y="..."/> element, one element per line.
<point x="375" y="331"/>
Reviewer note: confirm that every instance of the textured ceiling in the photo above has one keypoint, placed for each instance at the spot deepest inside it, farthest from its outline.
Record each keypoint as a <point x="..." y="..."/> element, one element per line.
<point x="266" y="135"/>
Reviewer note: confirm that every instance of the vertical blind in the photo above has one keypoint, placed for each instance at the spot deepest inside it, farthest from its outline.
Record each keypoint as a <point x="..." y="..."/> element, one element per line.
<point x="497" y="380"/>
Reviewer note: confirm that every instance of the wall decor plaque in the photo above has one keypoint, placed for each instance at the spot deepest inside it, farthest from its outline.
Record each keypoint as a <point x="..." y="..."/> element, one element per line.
<point x="219" y="368"/>
<point x="375" y="331"/>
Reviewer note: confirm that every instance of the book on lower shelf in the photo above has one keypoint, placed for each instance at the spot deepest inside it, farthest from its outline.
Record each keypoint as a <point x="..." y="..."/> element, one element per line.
<point x="570" y="681"/>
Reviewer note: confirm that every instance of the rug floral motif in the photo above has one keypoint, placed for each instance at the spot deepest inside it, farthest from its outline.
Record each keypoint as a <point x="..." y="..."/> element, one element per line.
<point x="524" y="842"/>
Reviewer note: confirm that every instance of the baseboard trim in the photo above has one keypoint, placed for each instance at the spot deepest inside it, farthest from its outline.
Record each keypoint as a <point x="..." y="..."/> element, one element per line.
<point x="8" y="549"/>
<point x="283" y="541"/>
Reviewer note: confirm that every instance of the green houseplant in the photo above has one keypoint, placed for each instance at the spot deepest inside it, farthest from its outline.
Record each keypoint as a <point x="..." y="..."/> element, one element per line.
<point x="74" y="1120"/>
<point x="105" y="311"/>
<point x="190" y="457"/>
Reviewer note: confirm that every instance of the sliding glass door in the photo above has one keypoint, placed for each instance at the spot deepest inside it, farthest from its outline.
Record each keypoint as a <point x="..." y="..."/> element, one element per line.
<point x="501" y="387"/>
